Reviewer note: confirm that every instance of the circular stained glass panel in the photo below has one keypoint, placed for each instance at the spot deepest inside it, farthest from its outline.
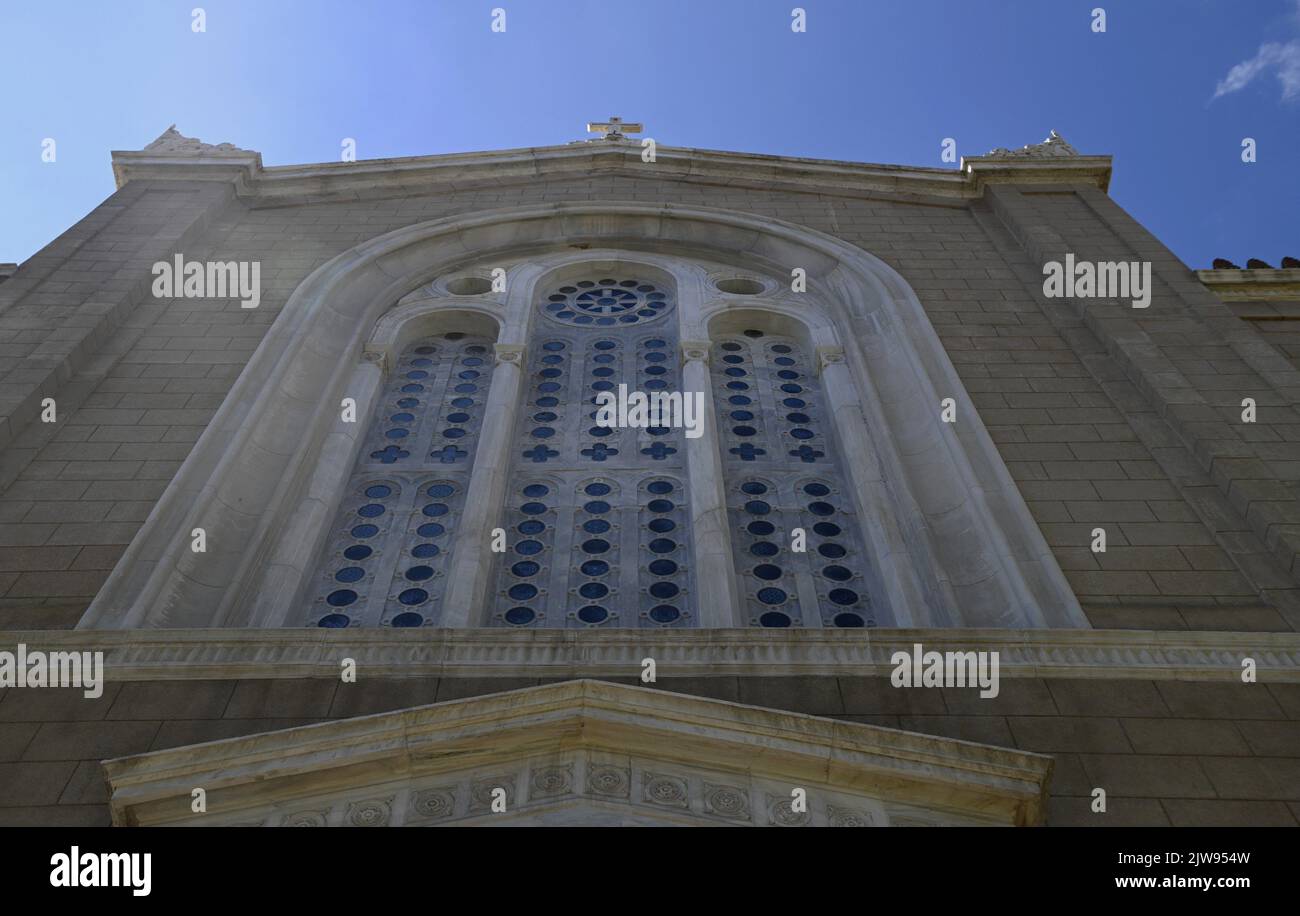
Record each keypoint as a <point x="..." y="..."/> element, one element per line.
<point x="606" y="301"/>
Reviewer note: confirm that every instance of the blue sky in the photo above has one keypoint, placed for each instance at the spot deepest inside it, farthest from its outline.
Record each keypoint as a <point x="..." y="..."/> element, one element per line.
<point x="869" y="81"/>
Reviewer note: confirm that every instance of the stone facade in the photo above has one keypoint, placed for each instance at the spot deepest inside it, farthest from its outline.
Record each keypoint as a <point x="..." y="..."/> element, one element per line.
<point x="1086" y="414"/>
<point x="1169" y="752"/>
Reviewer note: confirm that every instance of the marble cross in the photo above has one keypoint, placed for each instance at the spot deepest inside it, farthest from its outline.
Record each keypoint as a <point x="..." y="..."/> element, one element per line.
<point x="613" y="128"/>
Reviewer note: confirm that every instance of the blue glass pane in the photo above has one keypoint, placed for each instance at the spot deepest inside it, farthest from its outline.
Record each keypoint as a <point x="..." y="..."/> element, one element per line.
<point x="593" y="614"/>
<point x="341" y="598"/>
<point x="664" y="613"/>
<point x="520" y="615"/>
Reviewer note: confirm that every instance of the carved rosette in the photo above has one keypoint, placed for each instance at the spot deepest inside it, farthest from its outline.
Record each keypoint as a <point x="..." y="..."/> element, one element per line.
<point x="551" y="781"/>
<point x="668" y="791"/>
<point x="305" y="819"/>
<point x="374" y="812"/>
<point x="847" y="817"/>
<point x="440" y="802"/>
<point x="610" y="781"/>
<point x="726" y="801"/>
<point x="781" y="813"/>
<point x="480" y="792"/>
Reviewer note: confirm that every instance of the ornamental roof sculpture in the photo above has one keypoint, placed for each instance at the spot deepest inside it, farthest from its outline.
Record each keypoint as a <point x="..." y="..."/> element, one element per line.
<point x="1054" y="147"/>
<point x="173" y="141"/>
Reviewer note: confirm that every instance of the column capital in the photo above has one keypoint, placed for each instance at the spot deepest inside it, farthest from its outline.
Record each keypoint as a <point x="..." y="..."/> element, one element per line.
<point x="696" y="350"/>
<point x="828" y="356"/>
<point x="509" y="353"/>
<point x="377" y="355"/>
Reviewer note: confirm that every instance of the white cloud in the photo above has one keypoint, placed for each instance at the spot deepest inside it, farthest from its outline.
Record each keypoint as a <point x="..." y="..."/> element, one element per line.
<point x="1281" y="58"/>
<point x="1284" y="59"/>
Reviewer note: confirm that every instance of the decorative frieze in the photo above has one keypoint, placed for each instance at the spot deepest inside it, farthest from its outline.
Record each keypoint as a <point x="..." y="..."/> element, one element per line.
<point x="1105" y="654"/>
<point x="582" y="752"/>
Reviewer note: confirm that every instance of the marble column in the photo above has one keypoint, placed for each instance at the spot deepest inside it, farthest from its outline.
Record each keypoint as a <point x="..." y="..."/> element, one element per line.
<point x="717" y="598"/>
<point x="898" y="585"/>
<point x="469" y="576"/>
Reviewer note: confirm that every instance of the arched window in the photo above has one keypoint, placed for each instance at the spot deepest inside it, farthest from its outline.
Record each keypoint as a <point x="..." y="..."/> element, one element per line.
<point x="600" y="541"/>
<point x="385" y="561"/>
<point x="794" y="534"/>
<point x="531" y="522"/>
<point x="397" y="524"/>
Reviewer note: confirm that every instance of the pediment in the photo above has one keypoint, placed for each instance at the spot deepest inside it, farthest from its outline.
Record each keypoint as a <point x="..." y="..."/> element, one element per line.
<point x="587" y="753"/>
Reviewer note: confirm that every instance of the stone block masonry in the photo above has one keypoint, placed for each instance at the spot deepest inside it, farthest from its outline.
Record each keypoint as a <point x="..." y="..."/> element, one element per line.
<point x="1087" y="434"/>
<point x="1168" y="753"/>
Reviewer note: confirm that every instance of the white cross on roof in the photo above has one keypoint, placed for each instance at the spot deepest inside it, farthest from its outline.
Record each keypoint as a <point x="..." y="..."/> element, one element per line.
<point x="614" y="128"/>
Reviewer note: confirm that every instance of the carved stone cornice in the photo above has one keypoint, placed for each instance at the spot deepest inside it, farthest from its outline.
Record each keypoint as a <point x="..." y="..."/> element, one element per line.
<point x="1053" y="161"/>
<point x="1252" y="284"/>
<point x="184" y="158"/>
<point x="186" y="654"/>
<point x="175" y="156"/>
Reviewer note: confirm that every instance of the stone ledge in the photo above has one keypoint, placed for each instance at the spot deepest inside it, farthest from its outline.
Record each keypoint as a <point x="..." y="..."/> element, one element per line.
<point x="1251" y="284"/>
<point x="281" y="185"/>
<point x="188" y="654"/>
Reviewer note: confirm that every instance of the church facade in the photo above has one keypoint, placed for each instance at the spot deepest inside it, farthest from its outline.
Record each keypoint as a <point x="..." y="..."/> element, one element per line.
<point x="617" y="483"/>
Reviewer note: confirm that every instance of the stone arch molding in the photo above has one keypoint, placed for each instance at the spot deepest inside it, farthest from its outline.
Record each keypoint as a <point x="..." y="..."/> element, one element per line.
<point x="947" y="530"/>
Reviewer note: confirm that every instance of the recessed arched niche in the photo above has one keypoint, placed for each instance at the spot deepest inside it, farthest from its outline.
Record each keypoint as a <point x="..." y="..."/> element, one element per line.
<point x="936" y="530"/>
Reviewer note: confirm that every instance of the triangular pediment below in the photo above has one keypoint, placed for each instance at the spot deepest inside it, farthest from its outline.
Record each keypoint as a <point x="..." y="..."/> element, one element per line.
<point x="583" y="753"/>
